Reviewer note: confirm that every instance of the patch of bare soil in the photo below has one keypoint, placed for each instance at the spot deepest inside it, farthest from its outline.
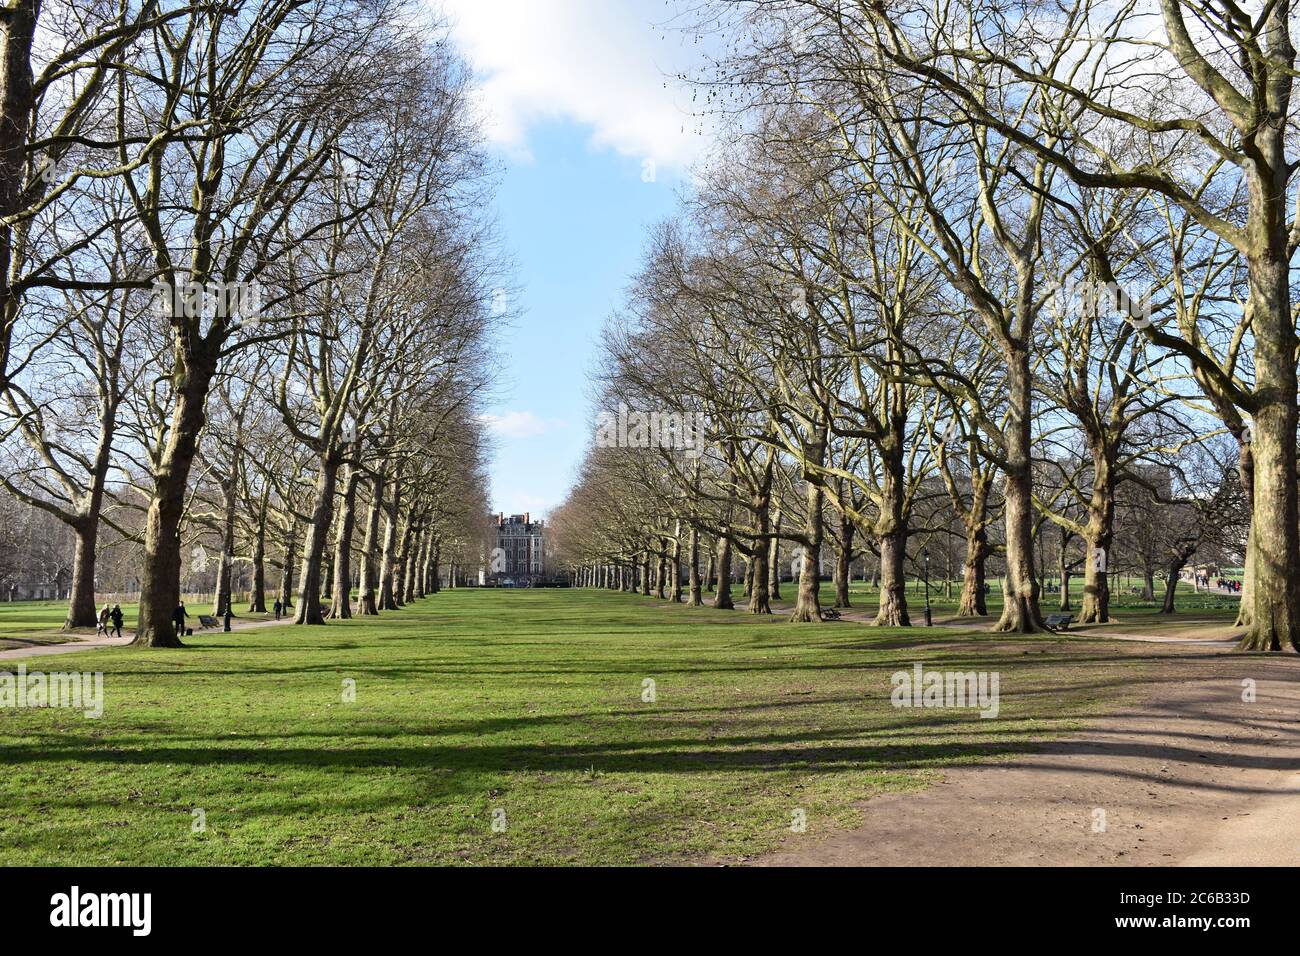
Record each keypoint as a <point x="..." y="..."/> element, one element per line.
<point x="1189" y="773"/>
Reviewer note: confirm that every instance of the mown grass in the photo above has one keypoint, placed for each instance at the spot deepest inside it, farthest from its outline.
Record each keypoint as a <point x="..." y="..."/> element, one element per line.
<point x="528" y="703"/>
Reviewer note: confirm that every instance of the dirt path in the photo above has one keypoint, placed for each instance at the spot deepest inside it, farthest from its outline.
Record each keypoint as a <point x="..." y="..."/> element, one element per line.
<point x="94" y="643"/>
<point x="1189" y="775"/>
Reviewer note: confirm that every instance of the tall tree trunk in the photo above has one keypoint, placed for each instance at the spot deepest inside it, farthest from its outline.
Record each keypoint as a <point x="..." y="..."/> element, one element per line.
<point x="675" y="566"/>
<point x="367" y="593"/>
<point x="722" y="596"/>
<point x="225" y="595"/>
<point x="160" y="590"/>
<point x="408" y="576"/>
<point x="843" y="562"/>
<point x="774" y="558"/>
<point x="17" y="98"/>
<point x="309" y="609"/>
<point x="257" y="596"/>
<point x="82" y="610"/>
<point x="342" y="604"/>
<point x="1099" y="537"/>
<point x="696" y="596"/>
<point x="808" y="607"/>
<point x="661" y="574"/>
<point x="758" y="599"/>
<point x="1171" y="586"/>
<point x="1020" y="611"/>
<point x="1274" y="565"/>
<point x="290" y="564"/>
<point x="892" y="611"/>
<point x="973" y="602"/>
<point x="387" y="597"/>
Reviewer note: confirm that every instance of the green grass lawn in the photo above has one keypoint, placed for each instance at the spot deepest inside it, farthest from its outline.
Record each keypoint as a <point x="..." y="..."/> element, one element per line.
<point x="34" y="622"/>
<point x="527" y="703"/>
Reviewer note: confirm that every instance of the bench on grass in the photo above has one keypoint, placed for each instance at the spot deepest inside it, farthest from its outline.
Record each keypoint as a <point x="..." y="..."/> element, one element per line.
<point x="207" y="620"/>
<point x="1059" y="622"/>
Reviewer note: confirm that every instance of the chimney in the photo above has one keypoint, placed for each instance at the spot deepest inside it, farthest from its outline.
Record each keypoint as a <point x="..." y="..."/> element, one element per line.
<point x="528" y="518"/>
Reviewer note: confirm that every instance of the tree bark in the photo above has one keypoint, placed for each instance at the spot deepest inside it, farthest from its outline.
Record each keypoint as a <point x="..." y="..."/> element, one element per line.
<point x="366" y="593"/>
<point x="17" y="97"/>
<point x="290" y="563"/>
<point x="844" y="562"/>
<point x="722" y="595"/>
<point x="1020" y="611"/>
<point x="387" y="597"/>
<point x="973" y="602"/>
<point x="160" y="590"/>
<point x="309" y="609"/>
<point x="695" y="591"/>
<point x="774" y="558"/>
<point x="342" y="603"/>
<point x="225" y="596"/>
<point x="808" y="606"/>
<point x="257" y="596"/>
<point x="675" y="565"/>
<point x="758" y="594"/>
<point x="892" y="611"/>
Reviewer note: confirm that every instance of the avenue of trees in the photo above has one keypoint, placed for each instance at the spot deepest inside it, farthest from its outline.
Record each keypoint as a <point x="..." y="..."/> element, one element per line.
<point x="998" y="287"/>
<point x="247" y="295"/>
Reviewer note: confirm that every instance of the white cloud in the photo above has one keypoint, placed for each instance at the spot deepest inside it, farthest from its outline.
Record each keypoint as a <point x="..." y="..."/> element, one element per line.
<point x="608" y="64"/>
<point x="522" y="424"/>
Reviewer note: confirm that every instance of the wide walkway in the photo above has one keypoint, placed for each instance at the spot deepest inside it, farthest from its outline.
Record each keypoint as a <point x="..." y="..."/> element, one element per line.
<point x="1190" y="775"/>
<point x="74" y="647"/>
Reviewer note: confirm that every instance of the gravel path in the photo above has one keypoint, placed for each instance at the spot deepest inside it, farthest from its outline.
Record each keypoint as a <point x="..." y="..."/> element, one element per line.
<point x="73" y="647"/>
<point x="1190" y="775"/>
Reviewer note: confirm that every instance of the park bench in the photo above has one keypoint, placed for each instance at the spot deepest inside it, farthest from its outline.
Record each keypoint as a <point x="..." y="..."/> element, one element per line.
<point x="1059" y="622"/>
<point x="207" y="620"/>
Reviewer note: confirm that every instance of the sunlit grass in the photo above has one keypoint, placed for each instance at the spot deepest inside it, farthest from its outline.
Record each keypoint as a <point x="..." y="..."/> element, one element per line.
<point x="529" y="703"/>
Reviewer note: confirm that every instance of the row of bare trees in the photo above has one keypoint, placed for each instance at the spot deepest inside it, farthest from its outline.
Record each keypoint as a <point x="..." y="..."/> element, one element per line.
<point x="1015" y="257"/>
<point x="249" y="287"/>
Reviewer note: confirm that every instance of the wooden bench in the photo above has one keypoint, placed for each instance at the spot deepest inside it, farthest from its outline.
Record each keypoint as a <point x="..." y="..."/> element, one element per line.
<point x="1059" y="622"/>
<point x="207" y="620"/>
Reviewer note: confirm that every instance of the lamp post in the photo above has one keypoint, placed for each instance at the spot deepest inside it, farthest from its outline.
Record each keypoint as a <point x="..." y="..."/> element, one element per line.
<point x="926" y="554"/>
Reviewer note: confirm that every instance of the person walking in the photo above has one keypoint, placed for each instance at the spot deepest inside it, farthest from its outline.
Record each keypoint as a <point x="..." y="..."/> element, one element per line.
<point x="277" y="608"/>
<point x="116" y="618"/>
<point x="101" y="623"/>
<point x="178" y="619"/>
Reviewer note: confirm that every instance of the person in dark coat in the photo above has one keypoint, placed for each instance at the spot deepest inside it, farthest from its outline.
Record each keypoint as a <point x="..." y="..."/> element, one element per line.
<point x="116" y="618"/>
<point x="178" y="619"/>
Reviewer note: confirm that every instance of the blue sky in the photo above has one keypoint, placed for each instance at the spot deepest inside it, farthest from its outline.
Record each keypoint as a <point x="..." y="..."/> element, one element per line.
<point x="595" y="138"/>
<point x="575" y="218"/>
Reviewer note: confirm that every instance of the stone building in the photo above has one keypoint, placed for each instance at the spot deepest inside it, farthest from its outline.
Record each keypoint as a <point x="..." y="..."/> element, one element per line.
<point x="520" y="555"/>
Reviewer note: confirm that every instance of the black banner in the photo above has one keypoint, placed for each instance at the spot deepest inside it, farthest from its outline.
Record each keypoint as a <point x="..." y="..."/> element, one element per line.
<point x="215" y="906"/>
